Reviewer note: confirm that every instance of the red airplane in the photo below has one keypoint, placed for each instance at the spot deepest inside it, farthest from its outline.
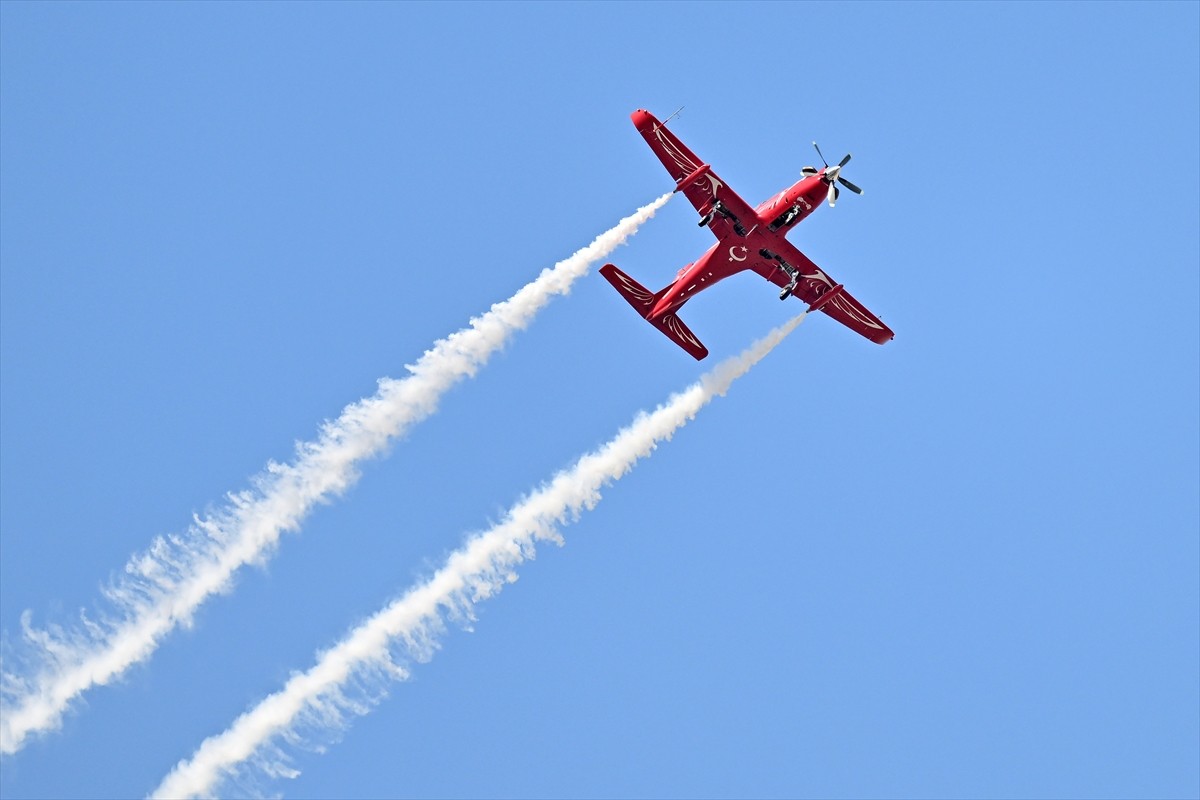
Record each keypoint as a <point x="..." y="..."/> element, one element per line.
<point x="747" y="238"/>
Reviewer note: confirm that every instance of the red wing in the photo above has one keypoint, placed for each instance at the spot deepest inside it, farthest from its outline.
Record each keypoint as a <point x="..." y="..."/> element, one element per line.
<point x="704" y="187"/>
<point x="813" y="283"/>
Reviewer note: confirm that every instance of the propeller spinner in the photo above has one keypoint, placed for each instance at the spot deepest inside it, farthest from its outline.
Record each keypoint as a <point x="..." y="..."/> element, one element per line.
<point x="832" y="174"/>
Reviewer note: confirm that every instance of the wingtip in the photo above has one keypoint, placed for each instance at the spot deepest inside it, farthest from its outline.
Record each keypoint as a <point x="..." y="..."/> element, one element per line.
<point x="643" y="119"/>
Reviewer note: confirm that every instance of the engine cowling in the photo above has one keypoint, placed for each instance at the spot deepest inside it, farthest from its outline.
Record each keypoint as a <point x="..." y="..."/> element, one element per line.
<point x="791" y="205"/>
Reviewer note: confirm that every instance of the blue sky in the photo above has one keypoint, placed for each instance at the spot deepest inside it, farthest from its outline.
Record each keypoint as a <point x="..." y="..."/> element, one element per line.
<point x="962" y="564"/>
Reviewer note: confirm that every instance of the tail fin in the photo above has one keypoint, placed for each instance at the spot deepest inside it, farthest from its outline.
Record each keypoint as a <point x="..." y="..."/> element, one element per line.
<point x="643" y="300"/>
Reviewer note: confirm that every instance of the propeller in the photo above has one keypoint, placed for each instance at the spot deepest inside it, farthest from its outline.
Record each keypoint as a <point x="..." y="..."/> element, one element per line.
<point x="832" y="174"/>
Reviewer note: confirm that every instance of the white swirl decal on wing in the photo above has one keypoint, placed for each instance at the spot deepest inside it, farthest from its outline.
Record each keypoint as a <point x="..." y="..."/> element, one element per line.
<point x="819" y="276"/>
<point x="853" y="313"/>
<point x="682" y="161"/>
<point x="673" y="322"/>
<point x="716" y="184"/>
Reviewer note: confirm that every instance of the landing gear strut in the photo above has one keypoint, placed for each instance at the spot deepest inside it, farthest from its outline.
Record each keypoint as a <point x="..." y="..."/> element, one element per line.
<point x="717" y="208"/>
<point x="792" y="273"/>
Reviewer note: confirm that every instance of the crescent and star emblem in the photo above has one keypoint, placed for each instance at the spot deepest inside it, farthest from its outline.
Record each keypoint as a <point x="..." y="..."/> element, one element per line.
<point x="733" y="253"/>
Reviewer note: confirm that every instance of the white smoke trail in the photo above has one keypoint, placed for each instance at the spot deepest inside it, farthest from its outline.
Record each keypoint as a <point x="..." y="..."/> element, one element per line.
<point x="163" y="587"/>
<point x="375" y="651"/>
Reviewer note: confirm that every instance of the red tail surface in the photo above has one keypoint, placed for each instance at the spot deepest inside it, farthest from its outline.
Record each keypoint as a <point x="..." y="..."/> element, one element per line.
<point x="643" y="300"/>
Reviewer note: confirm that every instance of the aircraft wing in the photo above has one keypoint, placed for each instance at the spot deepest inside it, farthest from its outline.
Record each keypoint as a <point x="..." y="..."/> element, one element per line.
<point x="694" y="178"/>
<point x="813" y="283"/>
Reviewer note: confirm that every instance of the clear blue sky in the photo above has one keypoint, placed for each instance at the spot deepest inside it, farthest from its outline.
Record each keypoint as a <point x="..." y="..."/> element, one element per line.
<point x="963" y="564"/>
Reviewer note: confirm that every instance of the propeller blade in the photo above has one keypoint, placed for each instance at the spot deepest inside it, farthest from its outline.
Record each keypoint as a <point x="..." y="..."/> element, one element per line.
<point x="809" y="171"/>
<point x="823" y="161"/>
<point x="844" y="161"/>
<point x="833" y="195"/>
<point x="849" y="185"/>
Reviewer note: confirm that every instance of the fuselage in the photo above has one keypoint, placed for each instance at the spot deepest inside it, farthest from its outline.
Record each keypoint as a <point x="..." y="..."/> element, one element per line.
<point x="775" y="217"/>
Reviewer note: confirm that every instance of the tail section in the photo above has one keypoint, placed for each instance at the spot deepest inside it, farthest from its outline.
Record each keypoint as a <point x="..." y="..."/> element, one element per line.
<point x="643" y="300"/>
<point x="638" y="296"/>
<point x="681" y="335"/>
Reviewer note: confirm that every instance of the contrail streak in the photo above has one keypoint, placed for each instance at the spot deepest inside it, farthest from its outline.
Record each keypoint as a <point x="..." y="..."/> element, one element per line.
<point x="163" y="587"/>
<point x="408" y="628"/>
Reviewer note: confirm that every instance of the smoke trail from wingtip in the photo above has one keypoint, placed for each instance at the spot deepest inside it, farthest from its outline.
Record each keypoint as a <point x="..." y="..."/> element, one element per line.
<point x="377" y="650"/>
<point x="162" y="587"/>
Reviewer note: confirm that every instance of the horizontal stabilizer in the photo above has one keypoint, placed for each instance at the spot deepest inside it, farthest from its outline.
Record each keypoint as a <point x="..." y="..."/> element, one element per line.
<point x="643" y="300"/>
<point x="638" y="296"/>
<point x="681" y="335"/>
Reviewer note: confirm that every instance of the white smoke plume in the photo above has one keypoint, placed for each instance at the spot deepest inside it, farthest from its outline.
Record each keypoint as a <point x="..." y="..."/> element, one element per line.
<point x="162" y="587"/>
<point x="378" y="649"/>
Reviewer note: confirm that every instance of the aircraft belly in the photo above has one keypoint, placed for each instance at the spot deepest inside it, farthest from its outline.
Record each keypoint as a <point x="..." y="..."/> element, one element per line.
<point x="714" y="266"/>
